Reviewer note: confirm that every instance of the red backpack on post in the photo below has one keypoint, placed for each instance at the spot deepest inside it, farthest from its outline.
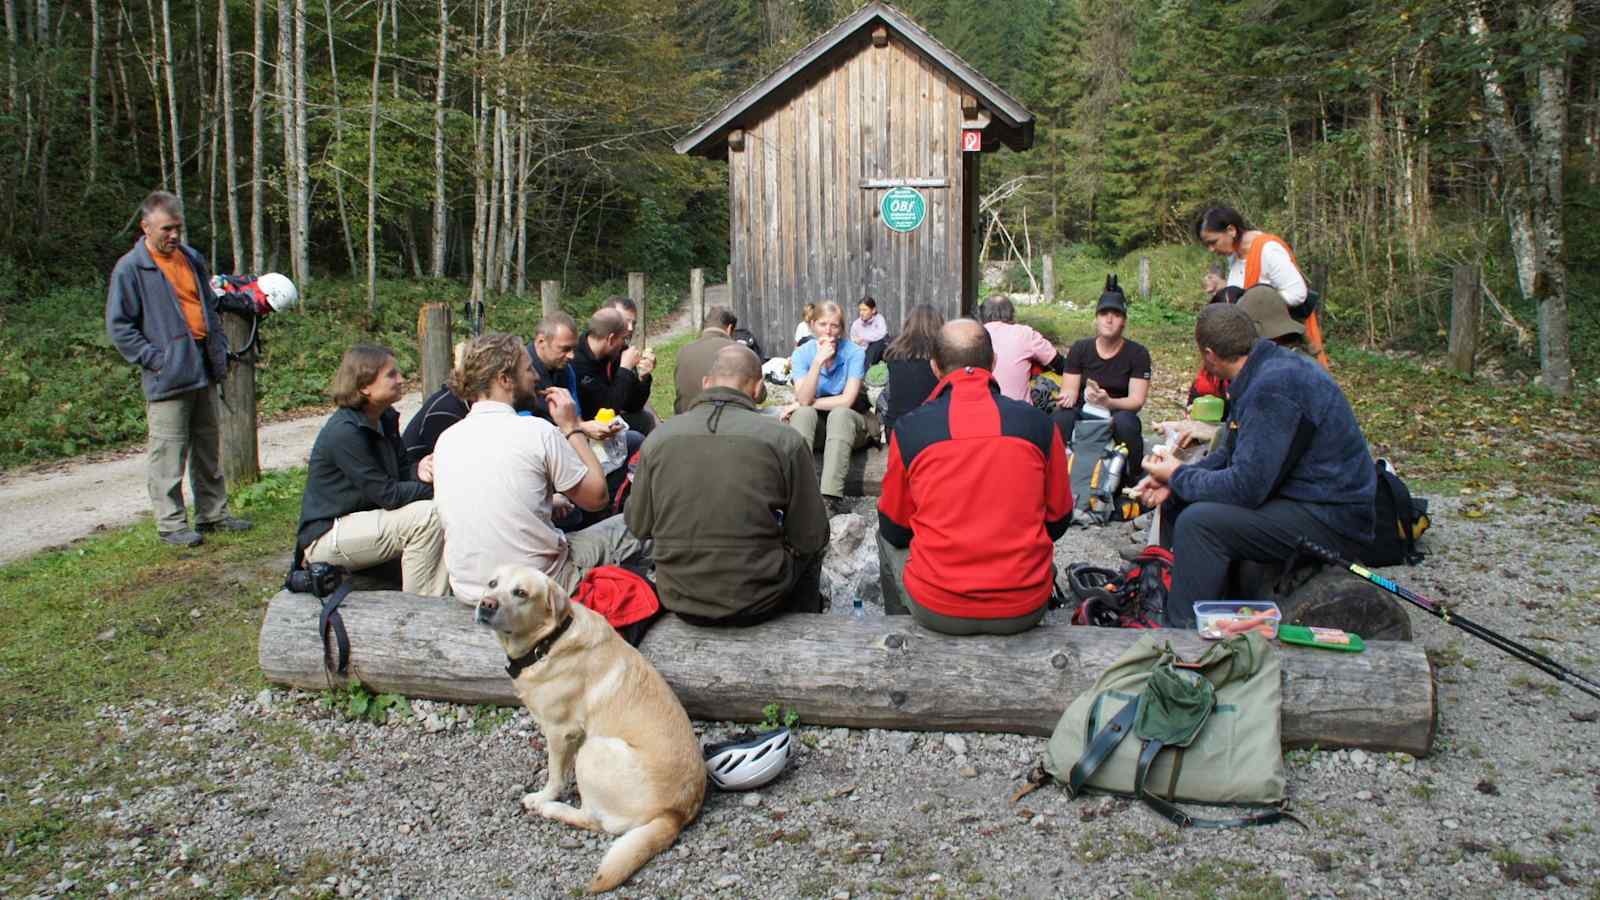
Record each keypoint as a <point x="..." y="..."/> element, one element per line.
<point x="1134" y="598"/>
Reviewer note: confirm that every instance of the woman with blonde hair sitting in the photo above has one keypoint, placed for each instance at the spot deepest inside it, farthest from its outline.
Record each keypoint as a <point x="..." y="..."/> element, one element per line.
<point x="829" y="397"/>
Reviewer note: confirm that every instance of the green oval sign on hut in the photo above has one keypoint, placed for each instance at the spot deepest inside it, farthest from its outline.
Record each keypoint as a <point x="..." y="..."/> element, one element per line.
<point x="903" y="209"/>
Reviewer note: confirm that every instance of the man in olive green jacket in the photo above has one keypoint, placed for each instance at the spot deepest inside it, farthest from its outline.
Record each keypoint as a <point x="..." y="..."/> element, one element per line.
<point x="730" y="497"/>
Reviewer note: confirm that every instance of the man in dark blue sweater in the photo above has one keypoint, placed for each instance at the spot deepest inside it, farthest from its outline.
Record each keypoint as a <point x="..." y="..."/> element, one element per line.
<point x="1292" y="464"/>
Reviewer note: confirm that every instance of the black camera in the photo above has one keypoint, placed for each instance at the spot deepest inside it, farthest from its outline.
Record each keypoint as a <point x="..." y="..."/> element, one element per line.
<point x="318" y="578"/>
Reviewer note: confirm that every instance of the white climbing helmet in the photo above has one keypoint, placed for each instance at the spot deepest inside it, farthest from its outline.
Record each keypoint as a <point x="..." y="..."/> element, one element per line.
<point x="750" y="762"/>
<point x="279" y="291"/>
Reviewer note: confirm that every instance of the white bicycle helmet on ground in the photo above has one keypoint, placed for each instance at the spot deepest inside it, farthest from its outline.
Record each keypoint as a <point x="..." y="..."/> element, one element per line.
<point x="746" y="762"/>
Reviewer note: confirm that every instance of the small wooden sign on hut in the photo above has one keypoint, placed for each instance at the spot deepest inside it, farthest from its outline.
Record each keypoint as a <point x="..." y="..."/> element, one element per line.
<point x="853" y="171"/>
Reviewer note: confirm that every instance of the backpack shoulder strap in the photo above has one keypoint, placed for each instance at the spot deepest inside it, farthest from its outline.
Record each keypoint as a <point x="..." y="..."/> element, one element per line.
<point x="1100" y="749"/>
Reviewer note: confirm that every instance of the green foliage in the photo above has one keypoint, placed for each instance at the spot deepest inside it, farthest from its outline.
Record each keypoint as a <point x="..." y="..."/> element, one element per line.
<point x="775" y="716"/>
<point x="357" y="702"/>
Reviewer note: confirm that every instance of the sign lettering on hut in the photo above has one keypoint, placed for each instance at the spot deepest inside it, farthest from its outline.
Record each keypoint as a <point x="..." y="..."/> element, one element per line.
<point x="904" y="209"/>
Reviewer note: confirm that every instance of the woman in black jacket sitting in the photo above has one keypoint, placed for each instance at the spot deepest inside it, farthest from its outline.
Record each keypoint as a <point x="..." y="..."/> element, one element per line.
<point x="364" y="504"/>
<point x="911" y="377"/>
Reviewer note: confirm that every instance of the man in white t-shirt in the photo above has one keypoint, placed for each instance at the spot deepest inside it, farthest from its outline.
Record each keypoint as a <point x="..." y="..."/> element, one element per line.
<point x="496" y="471"/>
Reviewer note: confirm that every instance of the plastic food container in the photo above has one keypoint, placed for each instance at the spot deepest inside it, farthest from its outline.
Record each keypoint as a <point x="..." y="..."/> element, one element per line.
<point x="1211" y="614"/>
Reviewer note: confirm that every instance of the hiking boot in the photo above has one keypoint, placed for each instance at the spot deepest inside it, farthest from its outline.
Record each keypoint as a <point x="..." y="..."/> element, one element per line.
<point x="226" y="523"/>
<point x="183" y="537"/>
<point x="1131" y="552"/>
<point x="837" y="506"/>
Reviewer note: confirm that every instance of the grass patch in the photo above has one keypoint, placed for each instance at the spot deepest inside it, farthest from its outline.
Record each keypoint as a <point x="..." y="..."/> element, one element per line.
<point x="1210" y="881"/>
<point x="663" y="390"/>
<point x="114" y="619"/>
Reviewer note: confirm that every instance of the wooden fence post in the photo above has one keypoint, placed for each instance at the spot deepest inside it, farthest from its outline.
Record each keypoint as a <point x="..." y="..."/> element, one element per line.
<point x="550" y="297"/>
<point x="636" y="294"/>
<point x="1049" y="277"/>
<point x="433" y="345"/>
<point x="1464" y="303"/>
<point x="1144" y="278"/>
<point x="241" y="458"/>
<point x="697" y="295"/>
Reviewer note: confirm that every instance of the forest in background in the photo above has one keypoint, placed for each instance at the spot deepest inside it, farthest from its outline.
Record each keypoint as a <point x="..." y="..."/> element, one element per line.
<point x="499" y="142"/>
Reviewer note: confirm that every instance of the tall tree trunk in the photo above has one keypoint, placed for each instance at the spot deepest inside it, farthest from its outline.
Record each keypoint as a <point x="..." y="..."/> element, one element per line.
<point x="286" y="108"/>
<point x="258" y="247"/>
<point x="172" y="97"/>
<point x="203" y="116"/>
<point x="372" y="171"/>
<point x="523" y="154"/>
<point x="1531" y="178"/>
<point x="152" y="69"/>
<point x="12" y="47"/>
<point x="94" y="90"/>
<point x="440" y="203"/>
<point x="480" y="167"/>
<point x="394" y="39"/>
<point x="503" y="125"/>
<point x="338" y="138"/>
<point x="1548" y="179"/>
<point x="302" y="171"/>
<point x="225" y="66"/>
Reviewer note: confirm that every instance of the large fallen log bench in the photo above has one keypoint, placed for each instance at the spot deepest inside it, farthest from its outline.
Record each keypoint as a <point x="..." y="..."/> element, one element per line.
<point x="833" y="670"/>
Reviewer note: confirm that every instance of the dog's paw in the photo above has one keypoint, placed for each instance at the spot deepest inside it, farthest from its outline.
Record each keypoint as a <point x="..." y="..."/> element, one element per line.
<point x="532" y="802"/>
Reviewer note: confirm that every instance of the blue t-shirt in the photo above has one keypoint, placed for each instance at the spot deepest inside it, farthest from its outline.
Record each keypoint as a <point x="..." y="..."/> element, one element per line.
<point x="849" y="361"/>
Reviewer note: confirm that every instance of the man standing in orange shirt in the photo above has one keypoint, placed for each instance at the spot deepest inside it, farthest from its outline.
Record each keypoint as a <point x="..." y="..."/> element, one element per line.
<point x="162" y="316"/>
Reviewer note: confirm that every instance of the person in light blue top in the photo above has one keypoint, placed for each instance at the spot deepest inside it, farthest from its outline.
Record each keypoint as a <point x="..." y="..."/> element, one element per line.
<point x="830" y="398"/>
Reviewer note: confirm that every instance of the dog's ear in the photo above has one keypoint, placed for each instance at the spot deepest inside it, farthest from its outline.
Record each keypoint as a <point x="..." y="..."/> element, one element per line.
<point x="555" y="598"/>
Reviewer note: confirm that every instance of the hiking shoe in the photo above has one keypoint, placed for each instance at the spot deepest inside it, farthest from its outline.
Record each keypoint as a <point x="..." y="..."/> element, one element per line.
<point x="837" y="506"/>
<point x="183" y="537"/>
<point x="226" y="523"/>
<point x="1131" y="552"/>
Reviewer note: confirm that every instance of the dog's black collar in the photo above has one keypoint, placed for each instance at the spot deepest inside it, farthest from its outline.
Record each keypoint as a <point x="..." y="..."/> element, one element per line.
<point x="540" y="650"/>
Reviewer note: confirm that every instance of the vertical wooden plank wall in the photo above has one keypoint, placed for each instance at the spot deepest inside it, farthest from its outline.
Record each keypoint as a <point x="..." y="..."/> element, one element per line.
<point x="804" y="229"/>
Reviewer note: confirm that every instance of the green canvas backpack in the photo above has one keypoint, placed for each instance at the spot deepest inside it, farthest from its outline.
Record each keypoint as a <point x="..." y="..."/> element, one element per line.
<point x="1206" y="731"/>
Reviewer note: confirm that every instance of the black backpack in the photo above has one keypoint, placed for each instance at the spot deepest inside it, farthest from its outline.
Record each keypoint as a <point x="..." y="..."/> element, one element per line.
<point x="1398" y="520"/>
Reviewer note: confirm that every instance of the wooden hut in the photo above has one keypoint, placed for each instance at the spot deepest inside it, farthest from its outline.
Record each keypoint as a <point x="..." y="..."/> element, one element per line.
<point x="853" y="170"/>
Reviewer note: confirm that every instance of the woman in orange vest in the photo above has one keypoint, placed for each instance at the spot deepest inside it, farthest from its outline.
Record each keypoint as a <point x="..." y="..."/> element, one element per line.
<point x="1255" y="257"/>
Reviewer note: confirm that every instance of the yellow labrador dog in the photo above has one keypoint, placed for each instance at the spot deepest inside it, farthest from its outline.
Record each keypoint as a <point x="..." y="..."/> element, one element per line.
<point x="606" y="713"/>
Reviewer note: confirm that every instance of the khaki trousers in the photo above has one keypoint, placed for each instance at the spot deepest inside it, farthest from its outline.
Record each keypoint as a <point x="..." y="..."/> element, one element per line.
<point x="185" y="430"/>
<point x="364" y="539"/>
<point x="897" y="601"/>
<point x="844" y="430"/>
<point x="607" y="543"/>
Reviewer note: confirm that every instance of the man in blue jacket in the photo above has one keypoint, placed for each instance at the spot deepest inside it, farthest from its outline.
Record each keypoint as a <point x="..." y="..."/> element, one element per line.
<point x="1292" y="464"/>
<point x="162" y="316"/>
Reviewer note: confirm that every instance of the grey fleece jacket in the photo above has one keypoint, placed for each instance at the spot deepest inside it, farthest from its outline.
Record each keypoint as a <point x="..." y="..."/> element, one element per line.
<point x="146" y="323"/>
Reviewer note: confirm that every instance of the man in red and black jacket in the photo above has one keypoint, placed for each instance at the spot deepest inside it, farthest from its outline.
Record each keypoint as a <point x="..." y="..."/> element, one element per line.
<point x="975" y="495"/>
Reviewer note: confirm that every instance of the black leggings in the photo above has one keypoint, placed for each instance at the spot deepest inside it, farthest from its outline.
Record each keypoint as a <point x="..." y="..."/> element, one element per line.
<point x="1125" y="427"/>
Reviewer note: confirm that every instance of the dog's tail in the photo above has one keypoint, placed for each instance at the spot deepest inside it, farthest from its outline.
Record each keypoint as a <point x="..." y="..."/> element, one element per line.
<point x="635" y="848"/>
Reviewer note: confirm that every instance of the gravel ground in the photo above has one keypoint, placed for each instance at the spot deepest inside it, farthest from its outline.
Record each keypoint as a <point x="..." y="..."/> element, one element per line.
<point x="279" y="794"/>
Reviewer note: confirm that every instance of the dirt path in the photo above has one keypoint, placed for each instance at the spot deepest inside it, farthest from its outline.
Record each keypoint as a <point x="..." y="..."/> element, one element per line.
<point x="54" y="504"/>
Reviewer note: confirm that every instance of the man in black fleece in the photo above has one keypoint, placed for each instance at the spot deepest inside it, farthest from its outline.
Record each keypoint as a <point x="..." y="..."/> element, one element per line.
<point x="1292" y="464"/>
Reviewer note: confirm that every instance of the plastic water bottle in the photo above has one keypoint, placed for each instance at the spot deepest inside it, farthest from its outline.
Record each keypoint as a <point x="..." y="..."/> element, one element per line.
<point x="856" y="609"/>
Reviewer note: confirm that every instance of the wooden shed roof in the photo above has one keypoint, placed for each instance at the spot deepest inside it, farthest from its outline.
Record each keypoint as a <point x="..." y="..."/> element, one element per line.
<point x="1010" y="121"/>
